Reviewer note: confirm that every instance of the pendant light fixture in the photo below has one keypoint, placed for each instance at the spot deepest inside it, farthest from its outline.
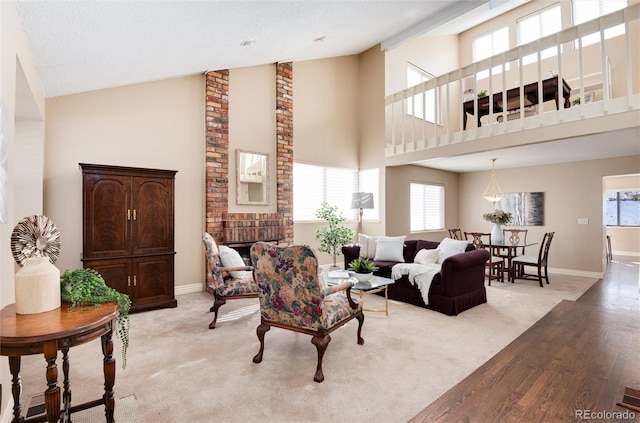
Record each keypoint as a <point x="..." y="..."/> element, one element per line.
<point x="493" y="192"/>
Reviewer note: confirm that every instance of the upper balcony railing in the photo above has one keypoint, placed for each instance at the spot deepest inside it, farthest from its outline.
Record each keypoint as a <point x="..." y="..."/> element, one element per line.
<point x="556" y="79"/>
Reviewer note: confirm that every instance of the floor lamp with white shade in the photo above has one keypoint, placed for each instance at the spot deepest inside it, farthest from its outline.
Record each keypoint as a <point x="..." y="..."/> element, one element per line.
<point x="361" y="200"/>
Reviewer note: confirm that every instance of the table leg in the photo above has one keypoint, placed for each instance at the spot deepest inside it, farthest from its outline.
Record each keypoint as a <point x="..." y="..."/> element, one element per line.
<point x="66" y="393"/>
<point x="52" y="394"/>
<point x="109" y="369"/>
<point x="14" y="367"/>
<point x="386" y="300"/>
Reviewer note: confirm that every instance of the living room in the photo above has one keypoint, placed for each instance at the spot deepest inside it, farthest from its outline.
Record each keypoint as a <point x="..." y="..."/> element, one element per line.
<point x="338" y="121"/>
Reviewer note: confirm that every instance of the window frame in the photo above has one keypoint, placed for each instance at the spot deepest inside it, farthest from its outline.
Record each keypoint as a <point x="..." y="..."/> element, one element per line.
<point x="549" y="52"/>
<point x="609" y="33"/>
<point x="413" y="208"/>
<point x="474" y="52"/>
<point x="618" y="201"/>
<point x="324" y="191"/>
<point x="431" y="97"/>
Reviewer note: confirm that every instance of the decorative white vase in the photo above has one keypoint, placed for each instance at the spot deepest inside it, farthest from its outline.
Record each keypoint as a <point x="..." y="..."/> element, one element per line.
<point x="363" y="277"/>
<point x="37" y="286"/>
<point x="497" y="237"/>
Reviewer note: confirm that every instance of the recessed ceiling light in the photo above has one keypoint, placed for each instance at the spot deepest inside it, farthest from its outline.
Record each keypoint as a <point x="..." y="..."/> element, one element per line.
<point x="320" y="39"/>
<point x="248" y="43"/>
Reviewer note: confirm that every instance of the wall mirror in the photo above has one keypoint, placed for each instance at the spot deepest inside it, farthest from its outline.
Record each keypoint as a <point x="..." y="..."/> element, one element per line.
<point x="252" y="176"/>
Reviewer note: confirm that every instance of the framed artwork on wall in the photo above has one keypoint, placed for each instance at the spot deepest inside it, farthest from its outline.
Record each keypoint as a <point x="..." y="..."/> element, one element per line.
<point x="527" y="208"/>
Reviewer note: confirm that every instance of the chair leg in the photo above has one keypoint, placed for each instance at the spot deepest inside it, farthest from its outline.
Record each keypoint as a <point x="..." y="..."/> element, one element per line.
<point x="360" y="317"/>
<point x="321" y="343"/>
<point x="217" y="303"/>
<point x="546" y="274"/>
<point x="540" y="276"/>
<point x="260" y="331"/>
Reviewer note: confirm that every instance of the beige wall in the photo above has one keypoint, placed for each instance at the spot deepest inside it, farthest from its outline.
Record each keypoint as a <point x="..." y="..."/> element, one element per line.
<point x="153" y="125"/>
<point x="571" y="191"/>
<point x="371" y="129"/>
<point x="325" y="123"/>
<point x="398" y="214"/>
<point x="252" y="98"/>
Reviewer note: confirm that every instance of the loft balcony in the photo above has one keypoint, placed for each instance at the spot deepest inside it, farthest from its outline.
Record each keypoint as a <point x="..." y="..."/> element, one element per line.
<point x="562" y="86"/>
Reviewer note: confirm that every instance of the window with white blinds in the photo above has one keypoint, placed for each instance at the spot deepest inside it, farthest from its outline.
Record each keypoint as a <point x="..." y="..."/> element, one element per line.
<point x="314" y="184"/>
<point x="488" y="45"/>
<point x="586" y="10"/>
<point x="427" y="207"/>
<point x="537" y="25"/>
<point x="421" y="106"/>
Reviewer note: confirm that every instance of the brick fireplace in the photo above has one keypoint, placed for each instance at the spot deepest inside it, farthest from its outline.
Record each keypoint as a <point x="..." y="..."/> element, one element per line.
<point x="230" y="228"/>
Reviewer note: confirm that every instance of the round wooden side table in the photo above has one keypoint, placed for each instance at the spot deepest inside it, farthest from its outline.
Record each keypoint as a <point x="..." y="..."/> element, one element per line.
<point x="48" y="332"/>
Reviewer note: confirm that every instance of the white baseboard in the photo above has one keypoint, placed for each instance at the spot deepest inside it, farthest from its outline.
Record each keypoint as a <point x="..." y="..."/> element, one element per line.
<point x="573" y="272"/>
<point x="188" y="289"/>
<point x="626" y="253"/>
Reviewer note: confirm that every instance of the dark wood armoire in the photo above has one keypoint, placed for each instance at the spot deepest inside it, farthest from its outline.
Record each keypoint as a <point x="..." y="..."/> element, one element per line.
<point x="128" y="231"/>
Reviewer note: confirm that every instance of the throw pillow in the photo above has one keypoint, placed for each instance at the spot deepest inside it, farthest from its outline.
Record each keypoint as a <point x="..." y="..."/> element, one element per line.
<point x="425" y="256"/>
<point x="231" y="258"/>
<point x="449" y="247"/>
<point x="390" y="249"/>
<point x="367" y="246"/>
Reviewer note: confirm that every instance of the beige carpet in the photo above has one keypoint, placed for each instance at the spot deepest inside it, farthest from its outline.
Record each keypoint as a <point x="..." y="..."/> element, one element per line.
<point x="180" y="371"/>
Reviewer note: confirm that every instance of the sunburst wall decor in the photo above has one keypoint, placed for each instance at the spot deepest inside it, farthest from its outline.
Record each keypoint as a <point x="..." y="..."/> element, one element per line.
<point x="35" y="236"/>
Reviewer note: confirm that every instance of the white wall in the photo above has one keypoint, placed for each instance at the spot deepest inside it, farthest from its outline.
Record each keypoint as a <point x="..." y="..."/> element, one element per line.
<point x="19" y="89"/>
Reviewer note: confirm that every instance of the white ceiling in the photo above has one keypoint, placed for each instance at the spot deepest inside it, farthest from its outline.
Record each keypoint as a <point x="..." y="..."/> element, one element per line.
<point x="80" y="46"/>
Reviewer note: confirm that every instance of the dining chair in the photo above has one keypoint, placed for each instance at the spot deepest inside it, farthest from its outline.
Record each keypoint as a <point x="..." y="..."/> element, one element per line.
<point x="293" y="297"/>
<point x="518" y="264"/>
<point x="455" y="233"/>
<point x="515" y="236"/>
<point x="495" y="264"/>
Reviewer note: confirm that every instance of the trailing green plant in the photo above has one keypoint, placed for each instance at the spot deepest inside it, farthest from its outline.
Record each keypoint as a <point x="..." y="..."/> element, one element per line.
<point x="362" y="265"/>
<point x="85" y="288"/>
<point x="482" y="93"/>
<point x="334" y="236"/>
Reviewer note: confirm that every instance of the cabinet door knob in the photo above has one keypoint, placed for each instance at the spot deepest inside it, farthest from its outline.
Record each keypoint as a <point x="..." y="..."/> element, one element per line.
<point x="128" y="214"/>
<point x="134" y="214"/>
<point x="128" y="280"/>
<point x="135" y="280"/>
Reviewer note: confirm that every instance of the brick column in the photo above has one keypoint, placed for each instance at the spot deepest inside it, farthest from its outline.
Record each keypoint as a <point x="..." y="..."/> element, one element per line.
<point x="217" y="151"/>
<point x="284" y="146"/>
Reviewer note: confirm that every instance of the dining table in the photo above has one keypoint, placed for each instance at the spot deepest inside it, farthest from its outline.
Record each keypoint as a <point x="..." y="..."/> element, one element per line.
<point x="510" y="247"/>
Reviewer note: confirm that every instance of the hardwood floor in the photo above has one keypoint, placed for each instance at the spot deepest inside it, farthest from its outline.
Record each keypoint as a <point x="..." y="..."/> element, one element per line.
<point x="574" y="362"/>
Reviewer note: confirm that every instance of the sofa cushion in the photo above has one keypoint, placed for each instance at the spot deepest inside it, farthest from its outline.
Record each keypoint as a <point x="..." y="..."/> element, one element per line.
<point x="426" y="256"/>
<point x="449" y="247"/>
<point x="367" y="246"/>
<point x="390" y="248"/>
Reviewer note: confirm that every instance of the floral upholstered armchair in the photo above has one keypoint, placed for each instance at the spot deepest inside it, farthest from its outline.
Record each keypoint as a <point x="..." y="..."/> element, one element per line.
<point x="228" y="283"/>
<point x="293" y="297"/>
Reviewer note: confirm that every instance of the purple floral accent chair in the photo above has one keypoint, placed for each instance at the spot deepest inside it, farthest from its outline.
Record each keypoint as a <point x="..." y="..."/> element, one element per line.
<point x="292" y="297"/>
<point x="225" y="287"/>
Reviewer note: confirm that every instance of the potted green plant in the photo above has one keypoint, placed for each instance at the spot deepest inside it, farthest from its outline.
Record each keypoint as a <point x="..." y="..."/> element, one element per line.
<point x="482" y="93"/>
<point x="86" y="288"/>
<point x="334" y="236"/>
<point x="363" y="268"/>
